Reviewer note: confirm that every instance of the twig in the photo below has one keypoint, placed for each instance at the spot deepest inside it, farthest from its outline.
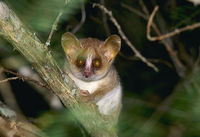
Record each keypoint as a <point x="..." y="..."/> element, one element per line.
<point x="150" y="22"/>
<point x="170" y="34"/>
<point x="54" y="27"/>
<point x="27" y="78"/>
<point x="8" y="79"/>
<point x="105" y="24"/>
<point x="137" y="12"/>
<point x="26" y="70"/>
<point x="144" y="8"/>
<point x="7" y="94"/>
<point x="137" y="53"/>
<point x="142" y="15"/>
<point x="49" y="97"/>
<point x="180" y="68"/>
<point x="82" y="18"/>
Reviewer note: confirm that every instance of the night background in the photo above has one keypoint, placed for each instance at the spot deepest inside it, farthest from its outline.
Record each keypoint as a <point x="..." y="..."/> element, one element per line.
<point x="155" y="104"/>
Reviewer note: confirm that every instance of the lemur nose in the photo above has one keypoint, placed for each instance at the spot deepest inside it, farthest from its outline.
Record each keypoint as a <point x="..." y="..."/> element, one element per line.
<point x="87" y="73"/>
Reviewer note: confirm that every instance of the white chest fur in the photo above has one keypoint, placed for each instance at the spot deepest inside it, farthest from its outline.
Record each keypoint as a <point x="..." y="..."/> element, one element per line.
<point x="109" y="103"/>
<point x="90" y="86"/>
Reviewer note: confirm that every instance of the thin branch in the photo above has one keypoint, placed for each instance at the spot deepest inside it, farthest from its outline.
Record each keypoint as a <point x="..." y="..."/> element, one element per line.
<point x="54" y="27"/>
<point x="150" y="22"/>
<point x="23" y="78"/>
<point x="53" y="101"/>
<point x="83" y="17"/>
<point x="26" y="70"/>
<point x="142" y="15"/>
<point x="104" y="17"/>
<point x="137" y="12"/>
<point x="144" y="8"/>
<point x="7" y="94"/>
<point x="114" y="21"/>
<point x="180" y="68"/>
<point x="170" y="34"/>
<point x="8" y="79"/>
<point x="177" y="63"/>
<point x="18" y="76"/>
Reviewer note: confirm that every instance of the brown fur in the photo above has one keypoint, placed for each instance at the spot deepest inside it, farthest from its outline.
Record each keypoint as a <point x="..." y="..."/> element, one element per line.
<point x="90" y="42"/>
<point x="105" y="76"/>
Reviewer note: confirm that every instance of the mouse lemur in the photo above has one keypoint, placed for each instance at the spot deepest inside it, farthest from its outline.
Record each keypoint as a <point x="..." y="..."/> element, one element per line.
<point x="90" y="64"/>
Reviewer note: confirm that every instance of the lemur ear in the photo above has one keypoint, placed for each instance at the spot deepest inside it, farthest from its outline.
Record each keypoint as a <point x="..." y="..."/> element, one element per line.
<point x="70" y="43"/>
<point x="111" y="47"/>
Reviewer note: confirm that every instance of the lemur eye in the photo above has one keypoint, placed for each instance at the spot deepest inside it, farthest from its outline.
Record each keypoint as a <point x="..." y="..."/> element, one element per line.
<point x="80" y="62"/>
<point x="96" y="63"/>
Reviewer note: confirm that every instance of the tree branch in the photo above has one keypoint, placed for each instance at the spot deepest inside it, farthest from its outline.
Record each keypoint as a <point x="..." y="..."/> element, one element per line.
<point x="9" y="79"/>
<point x="13" y="125"/>
<point x="54" y="27"/>
<point x="22" y="39"/>
<point x="39" y="83"/>
<point x="83" y="17"/>
<point x="114" y="21"/>
<point x="104" y="18"/>
<point x="55" y="23"/>
<point x="7" y="94"/>
<point x="180" y="68"/>
<point x="170" y="34"/>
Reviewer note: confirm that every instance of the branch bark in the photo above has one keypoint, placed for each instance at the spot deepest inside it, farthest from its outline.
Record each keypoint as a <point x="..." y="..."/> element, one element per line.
<point x="13" y="125"/>
<point x="122" y="34"/>
<point x="22" y="39"/>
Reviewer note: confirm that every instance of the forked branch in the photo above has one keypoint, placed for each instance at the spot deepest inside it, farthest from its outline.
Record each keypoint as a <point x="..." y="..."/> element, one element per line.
<point x="170" y="34"/>
<point x="122" y="34"/>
